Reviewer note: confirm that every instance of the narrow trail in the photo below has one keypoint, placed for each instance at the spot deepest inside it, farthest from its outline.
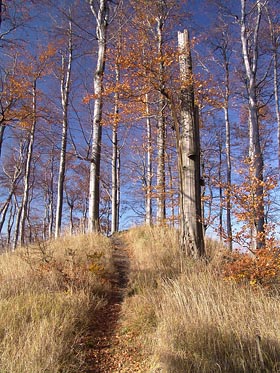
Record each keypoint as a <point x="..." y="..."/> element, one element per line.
<point x="107" y="350"/>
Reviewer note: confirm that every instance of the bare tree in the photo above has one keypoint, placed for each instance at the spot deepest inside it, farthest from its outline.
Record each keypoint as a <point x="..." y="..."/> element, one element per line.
<point x="250" y="52"/>
<point x="31" y="138"/>
<point x="66" y="60"/>
<point x="223" y="47"/>
<point x="116" y="158"/>
<point x="100" y="11"/>
<point x="149" y="166"/>
<point x="161" y="130"/>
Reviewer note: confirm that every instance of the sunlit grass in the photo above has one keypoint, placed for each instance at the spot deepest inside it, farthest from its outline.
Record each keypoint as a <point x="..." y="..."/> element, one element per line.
<point x="185" y="316"/>
<point x="48" y="294"/>
<point x="191" y="319"/>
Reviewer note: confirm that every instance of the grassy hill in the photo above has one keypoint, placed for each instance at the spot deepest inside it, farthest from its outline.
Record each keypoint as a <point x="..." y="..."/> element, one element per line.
<point x="48" y="293"/>
<point x="177" y="315"/>
<point x="190" y="318"/>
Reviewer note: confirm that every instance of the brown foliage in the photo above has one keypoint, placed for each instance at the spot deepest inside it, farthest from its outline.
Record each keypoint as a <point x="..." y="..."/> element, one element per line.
<point x="261" y="269"/>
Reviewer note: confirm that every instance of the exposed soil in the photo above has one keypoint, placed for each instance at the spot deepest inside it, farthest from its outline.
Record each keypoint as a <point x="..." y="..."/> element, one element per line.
<point x="109" y="349"/>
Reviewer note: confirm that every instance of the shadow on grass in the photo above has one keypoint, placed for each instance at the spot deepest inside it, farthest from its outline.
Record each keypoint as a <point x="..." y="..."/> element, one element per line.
<point x="211" y="351"/>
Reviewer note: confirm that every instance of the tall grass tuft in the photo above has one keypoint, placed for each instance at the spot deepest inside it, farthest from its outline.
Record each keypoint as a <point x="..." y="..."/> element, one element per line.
<point x="48" y="293"/>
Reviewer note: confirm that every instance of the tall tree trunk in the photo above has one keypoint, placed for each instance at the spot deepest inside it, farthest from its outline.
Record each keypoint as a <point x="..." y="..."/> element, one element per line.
<point x="225" y="50"/>
<point x="25" y="198"/>
<point x="250" y="58"/>
<point x="65" y="90"/>
<point x="276" y="97"/>
<point x="161" y="204"/>
<point x="115" y="183"/>
<point x="192" y="240"/>
<point x="115" y="159"/>
<point x="171" y="187"/>
<point x="228" y="155"/>
<point x="149" y="166"/>
<point x="51" y="196"/>
<point x="220" y="189"/>
<point x="118" y="188"/>
<point x="101" y="15"/>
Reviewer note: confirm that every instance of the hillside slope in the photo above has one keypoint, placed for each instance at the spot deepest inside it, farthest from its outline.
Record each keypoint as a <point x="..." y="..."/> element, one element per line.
<point x="131" y="303"/>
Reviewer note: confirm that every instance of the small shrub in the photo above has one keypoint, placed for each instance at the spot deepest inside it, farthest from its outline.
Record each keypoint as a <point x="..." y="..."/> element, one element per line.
<point x="262" y="269"/>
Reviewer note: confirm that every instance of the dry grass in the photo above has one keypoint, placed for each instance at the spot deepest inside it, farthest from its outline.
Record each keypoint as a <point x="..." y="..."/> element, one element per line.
<point x="192" y="320"/>
<point x="186" y="316"/>
<point x="46" y="296"/>
<point x="206" y="325"/>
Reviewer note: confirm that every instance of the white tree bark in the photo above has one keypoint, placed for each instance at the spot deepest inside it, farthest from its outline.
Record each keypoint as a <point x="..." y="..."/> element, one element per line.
<point x="221" y="209"/>
<point x="149" y="166"/>
<point x="65" y="91"/>
<point x="161" y="205"/>
<point x="250" y="59"/>
<point x="115" y="161"/>
<point x="173" y="201"/>
<point x="228" y="159"/>
<point x="276" y="96"/>
<point x="224" y="52"/>
<point x="100" y="10"/>
<point x="50" y="193"/>
<point x="25" y="198"/>
<point x="224" y="48"/>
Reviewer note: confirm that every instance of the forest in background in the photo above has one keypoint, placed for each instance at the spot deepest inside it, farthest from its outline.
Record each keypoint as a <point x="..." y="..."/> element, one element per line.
<point x="88" y="133"/>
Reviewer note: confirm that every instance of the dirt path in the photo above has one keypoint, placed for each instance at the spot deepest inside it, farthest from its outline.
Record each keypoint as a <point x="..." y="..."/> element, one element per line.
<point x="109" y="349"/>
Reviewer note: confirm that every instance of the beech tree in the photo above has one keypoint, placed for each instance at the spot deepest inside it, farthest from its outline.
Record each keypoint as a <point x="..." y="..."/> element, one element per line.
<point x="162" y="13"/>
<point x="22" y="215"/>
<point x="66" y="61"/>
<point x="48" y="192"/>
<point x="100" y="11"/>
<point x="223" y="47"/>
<point x="115" y="200"/>
<point x="149" y="167"/>
<point x="250" y="52"/>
